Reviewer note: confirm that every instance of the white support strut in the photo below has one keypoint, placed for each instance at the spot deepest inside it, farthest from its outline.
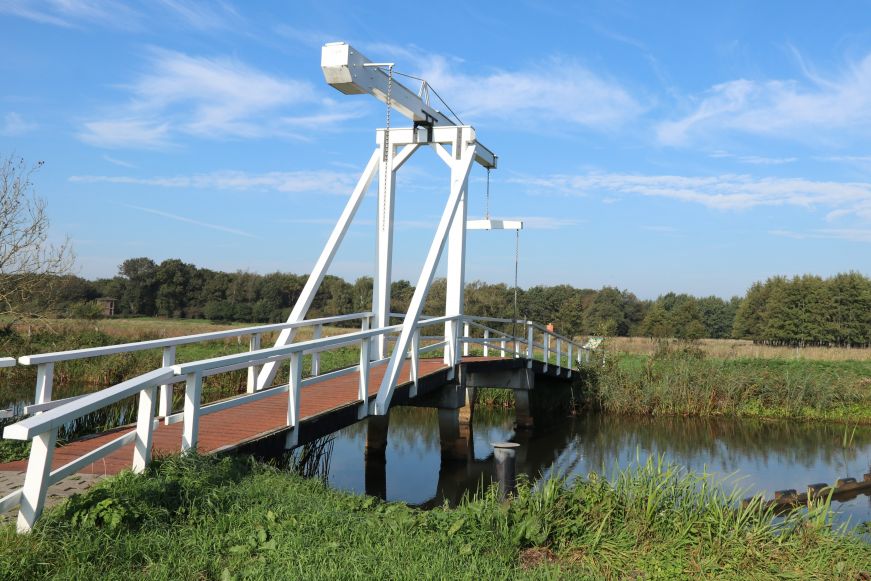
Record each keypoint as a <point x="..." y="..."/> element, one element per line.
<point x="415" y="308"/>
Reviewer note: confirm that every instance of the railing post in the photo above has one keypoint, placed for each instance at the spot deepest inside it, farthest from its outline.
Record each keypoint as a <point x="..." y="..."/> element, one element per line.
<point x="559" y="355"/>
<point x="193" y="390"/>
<point x="465" y="336"/>
<point x="254" y="370"/>
<point x="415" y="361"/>
<point x="502" y="345"/>
<point x="363" y="384"/>
<point x="569" y="361"/>
<point x="546" y="357"/>
<point x="37" y="479"/>
<point x="144" y="429"/>
<point x="530" y="344"/>
<point x="486" y="342"/>
<point x="44" y="382"/>
<point x="316" y="356"/>
<point x="164" y="408"/>
<point x="294" y="383"/>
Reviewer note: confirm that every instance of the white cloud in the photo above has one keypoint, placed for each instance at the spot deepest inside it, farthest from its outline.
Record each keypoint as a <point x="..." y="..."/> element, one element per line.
<point x="754" y="159"/>
<point x="211" y="98"/>
<point x="202" y="16"/>
<point x="554" y="90"/>
<point x="812" y="109"/>
<point x="187" y="220"/>
<point x="322" y="181"/>
<point x="721" y="192"/>
<point x="14" y="125"/>
<point x="851" y="234"/>
<point x="119" y="162"/>
<point x="71" y="13"/>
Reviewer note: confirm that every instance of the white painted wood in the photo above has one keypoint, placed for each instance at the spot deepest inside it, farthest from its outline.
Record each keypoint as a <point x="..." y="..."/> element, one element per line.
<point x="254" y="370"/>
<point x="36" y="480"/>
<point x="530" y="345"/>
<point x="293" y="396"/>
<point x="465" y="334"/>
<point x="363" y="383"/>
<point x="91" y="457"/>
<point x="385" y="391"/>
<point x="10" y="501"/>
<point x="193" y="391"/>
<point x="144" y="429"/>
<point x="44" y="381"/>
<point x="502" y="348"/>
<point x="316" y="355"/>
<point x="164" y="407"/>
<point x="7" y="361"/>
<point x="242" y="399"/>
<point x="383" y="245"/>
<point x="267" y="374"/>
<point x="569" y="362"/>
<point x="49" y="405"/>
<point x="30" y="427"/>
<point x="546" y="354"/>
<point x="183" y="340"/>
<point x="486" y="342"/>
<point x="403" y="155"/>
<point x="456" y="267"/>
<point x="414" y="374"/>
<point x="489" y="224"/>
<point x="559" y="354"/>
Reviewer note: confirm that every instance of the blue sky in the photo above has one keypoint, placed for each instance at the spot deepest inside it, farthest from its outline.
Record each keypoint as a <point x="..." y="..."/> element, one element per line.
<point x="694" y="147"/>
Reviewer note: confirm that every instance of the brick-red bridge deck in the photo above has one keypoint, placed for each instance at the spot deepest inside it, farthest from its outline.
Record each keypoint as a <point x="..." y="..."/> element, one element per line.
<point x="325" y="407"/>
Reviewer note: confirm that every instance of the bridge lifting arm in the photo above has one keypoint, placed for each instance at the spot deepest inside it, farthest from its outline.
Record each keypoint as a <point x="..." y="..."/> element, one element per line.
<point x="348" y="71"/>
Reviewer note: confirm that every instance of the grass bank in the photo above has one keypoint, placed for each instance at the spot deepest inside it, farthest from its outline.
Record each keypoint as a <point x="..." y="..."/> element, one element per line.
<point x="198" y="517"/>
<point x="685" y="381"/>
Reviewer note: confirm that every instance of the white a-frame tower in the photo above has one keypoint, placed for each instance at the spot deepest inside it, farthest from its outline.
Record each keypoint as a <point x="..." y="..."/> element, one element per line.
<point x="352" y="73"/>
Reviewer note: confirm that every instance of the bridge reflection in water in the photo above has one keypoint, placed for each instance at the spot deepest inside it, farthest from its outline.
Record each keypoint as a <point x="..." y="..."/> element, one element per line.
<point x="761" y="456"/>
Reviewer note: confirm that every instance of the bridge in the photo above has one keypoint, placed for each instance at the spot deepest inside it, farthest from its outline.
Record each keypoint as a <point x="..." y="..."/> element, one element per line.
<point x="404" y="358"/>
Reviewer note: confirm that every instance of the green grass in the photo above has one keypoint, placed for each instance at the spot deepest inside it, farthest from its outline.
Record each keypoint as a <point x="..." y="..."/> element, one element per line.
<point x="686" y="382"/>
<point x="201" y="517"/>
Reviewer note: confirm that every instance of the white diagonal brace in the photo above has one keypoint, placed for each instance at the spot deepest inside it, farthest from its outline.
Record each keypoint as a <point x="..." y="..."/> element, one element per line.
<point x="391" y="374"/>
<point x="267" y="374"/>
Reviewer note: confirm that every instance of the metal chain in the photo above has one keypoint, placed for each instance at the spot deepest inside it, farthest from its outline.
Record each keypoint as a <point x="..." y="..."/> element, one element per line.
<point x="386" y="155"/>
<point x="487" y="197"/>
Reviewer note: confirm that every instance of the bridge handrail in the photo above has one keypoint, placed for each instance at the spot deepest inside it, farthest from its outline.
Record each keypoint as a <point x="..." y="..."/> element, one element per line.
<point x="54" y="418"/>
<point x="181" y="340"/>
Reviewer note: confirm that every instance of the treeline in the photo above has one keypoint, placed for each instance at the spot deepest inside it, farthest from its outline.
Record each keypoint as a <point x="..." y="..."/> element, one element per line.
<point x="800" y="311"/>
<point x="807" y="310"/>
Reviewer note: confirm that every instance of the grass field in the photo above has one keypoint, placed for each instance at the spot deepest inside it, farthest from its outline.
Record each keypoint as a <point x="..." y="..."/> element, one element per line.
<point x="739" y="348"/>
<point x="202" y="518"/>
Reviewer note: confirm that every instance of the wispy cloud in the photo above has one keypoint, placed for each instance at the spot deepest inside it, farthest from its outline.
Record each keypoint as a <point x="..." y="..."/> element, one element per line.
<point x="552" y="90"/>
<point x="721" y="192"/>
<point x="202" y="16"/>
<point x="851" y="234"/>
<point x="119" y="162"/>
<point x="220" y="97"/>
<point x="323" y="181"/>
<point x="754" y="159"/>
<point x="74" y="13"/>
<point x="813" y="108"/>
<point x="15" y="125"/>
<point x="187" y="220"/>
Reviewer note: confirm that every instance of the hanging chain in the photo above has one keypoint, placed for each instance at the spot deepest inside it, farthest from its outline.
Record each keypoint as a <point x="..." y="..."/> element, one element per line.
<point x="487" y="197"/>
<point x="386" y="155"/>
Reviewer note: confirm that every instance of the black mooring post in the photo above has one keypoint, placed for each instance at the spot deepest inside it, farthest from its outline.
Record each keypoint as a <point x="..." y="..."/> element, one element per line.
<point x="506" y="469"/>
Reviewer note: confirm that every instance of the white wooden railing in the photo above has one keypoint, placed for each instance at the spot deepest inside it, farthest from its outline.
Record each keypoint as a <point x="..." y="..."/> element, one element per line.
<point x="42" y="428"/>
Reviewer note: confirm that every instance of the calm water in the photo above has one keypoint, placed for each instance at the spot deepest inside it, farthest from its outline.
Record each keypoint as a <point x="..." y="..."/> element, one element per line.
<point x="759" y="456"/>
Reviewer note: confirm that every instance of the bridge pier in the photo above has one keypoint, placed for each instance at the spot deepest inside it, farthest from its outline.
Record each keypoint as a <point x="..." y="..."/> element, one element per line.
<point x="375" y="456"/>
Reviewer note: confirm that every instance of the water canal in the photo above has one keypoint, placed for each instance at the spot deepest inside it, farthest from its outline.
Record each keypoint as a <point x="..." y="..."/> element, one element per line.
<point x="753" y="455"/>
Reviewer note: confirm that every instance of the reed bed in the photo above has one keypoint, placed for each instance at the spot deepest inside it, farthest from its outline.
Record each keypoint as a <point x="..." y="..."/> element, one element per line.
<point x="741" y="349"/>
